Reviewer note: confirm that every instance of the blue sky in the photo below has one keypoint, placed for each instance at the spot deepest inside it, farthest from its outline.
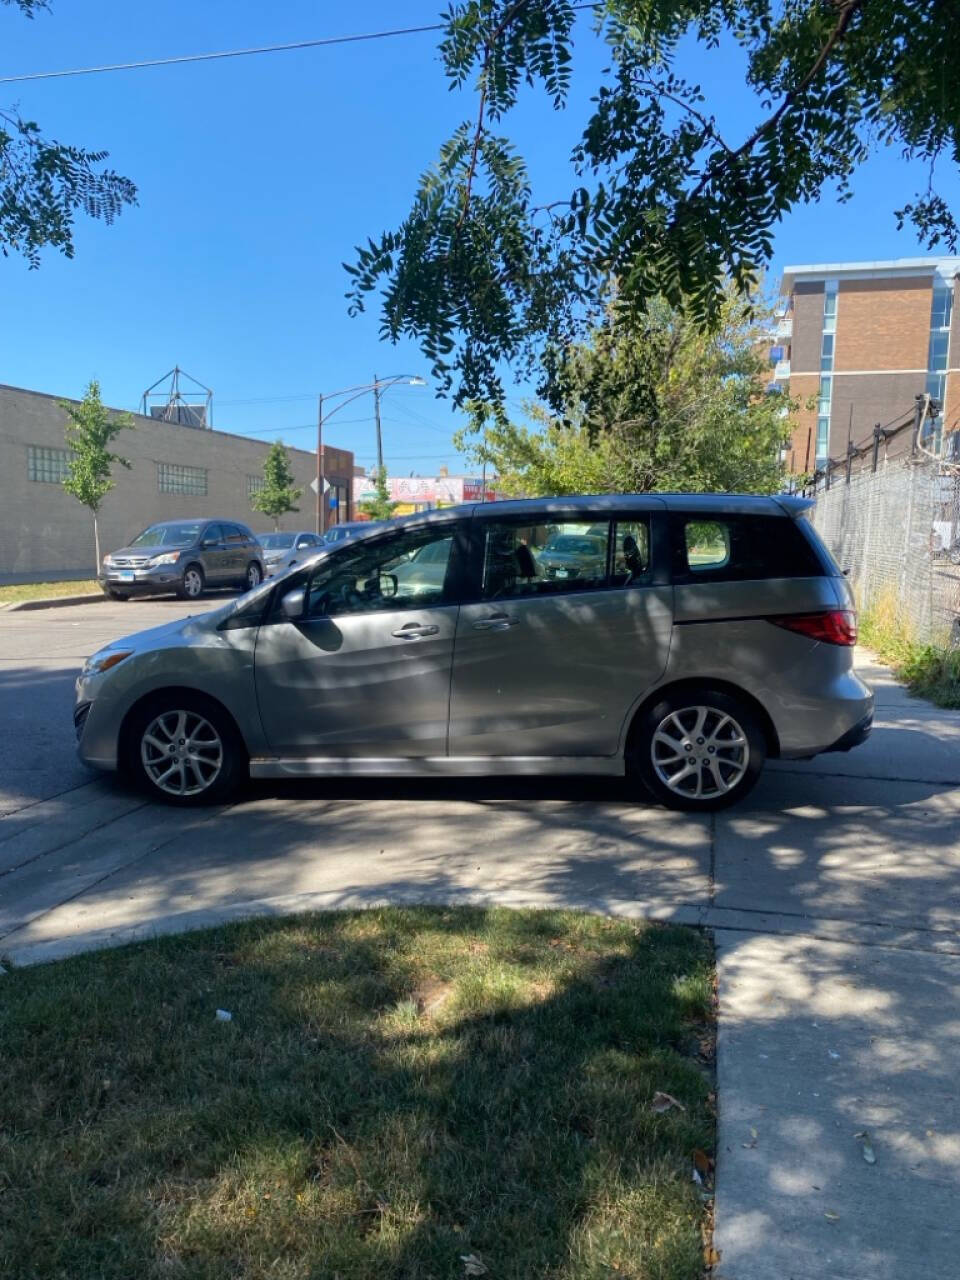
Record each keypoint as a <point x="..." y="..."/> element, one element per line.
<point x="257" y="177"/>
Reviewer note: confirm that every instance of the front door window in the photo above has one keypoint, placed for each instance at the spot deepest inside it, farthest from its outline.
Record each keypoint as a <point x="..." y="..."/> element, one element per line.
<point x="406" y="571"/>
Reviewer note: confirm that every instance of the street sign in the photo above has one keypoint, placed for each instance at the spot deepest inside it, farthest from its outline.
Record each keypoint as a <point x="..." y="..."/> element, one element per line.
<point x="326" y="485"/>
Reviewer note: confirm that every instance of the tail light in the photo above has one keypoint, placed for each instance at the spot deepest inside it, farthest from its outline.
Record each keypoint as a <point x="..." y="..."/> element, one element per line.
<point x="833" y="626"/>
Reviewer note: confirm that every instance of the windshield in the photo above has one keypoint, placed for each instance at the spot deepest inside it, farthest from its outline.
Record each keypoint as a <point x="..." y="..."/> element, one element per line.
<point x="572" y="546"/>
<point x="275" y="541"/>
<point x="168" y="535"/>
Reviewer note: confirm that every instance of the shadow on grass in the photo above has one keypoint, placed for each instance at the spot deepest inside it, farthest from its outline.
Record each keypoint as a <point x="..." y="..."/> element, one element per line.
<point x="397" y="1090"/>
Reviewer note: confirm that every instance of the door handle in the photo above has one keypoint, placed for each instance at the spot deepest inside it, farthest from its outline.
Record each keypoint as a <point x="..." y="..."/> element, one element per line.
<point x="414" y="631"/>
<point x="496" y="622"/>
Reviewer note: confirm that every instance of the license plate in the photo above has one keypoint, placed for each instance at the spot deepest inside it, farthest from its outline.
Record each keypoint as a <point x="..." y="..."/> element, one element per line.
<point x="127" y="577"/>
<point x="561" y="573"/>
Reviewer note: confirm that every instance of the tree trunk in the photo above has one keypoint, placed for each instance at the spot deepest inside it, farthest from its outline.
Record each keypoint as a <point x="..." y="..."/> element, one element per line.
<point x="96" y="541"/>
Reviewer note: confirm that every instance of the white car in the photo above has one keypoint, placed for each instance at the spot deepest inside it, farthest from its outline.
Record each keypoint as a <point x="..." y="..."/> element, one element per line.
<point x="281" y="550"/>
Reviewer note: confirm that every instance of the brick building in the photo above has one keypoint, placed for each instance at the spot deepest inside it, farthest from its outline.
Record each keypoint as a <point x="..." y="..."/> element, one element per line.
<point x="177" y="471"/>
<point x="860" y="341"/>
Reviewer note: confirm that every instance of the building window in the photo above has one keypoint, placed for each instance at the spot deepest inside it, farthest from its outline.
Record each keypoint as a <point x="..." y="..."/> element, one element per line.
<point x="174" y="478"/>
<point x="941" y="312"/>
<point x="939" y="346"/>
<point x="826" y="352"/>
<point x="830" y="311"/>
<point x="47" y="466"/>
<point x="823" y="438"/>
<point x="255" y="485"/>
<point x="823" y="399"/>
<point x="942" y="306"/>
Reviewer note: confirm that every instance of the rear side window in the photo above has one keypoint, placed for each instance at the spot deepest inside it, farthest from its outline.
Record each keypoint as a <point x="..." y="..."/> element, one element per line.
<point x="551" y="557"/>
<point x="711" y="548"/>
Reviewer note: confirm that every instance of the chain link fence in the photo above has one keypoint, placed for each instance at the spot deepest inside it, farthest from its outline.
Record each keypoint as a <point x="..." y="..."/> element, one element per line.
<point x="896" y="532"/>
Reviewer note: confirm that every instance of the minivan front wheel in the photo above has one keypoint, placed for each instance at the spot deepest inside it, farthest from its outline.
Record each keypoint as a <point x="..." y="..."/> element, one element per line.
<point x="184" y="749"/>
<point x="700" y="749"/>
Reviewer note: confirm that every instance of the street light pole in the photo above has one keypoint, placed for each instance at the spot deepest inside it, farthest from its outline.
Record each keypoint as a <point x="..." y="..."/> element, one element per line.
<point x="320" y="513"/>
<point x="376" y="411"/>
<point x="352" y="393"/>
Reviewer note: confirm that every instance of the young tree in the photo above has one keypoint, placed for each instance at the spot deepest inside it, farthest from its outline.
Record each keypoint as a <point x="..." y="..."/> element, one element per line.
<point x="381" y="507"/>
<point x="90" y="431"/>
<point x="483" y="271"/>
<point x="660" y="406"/>
<point x="44" y="182"/>
<point x="278" y="495"/>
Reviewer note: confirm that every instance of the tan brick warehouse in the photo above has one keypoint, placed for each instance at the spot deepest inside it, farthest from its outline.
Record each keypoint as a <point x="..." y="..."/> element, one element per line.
<point x="44" y="533"/>
<point x="863" y="340"/>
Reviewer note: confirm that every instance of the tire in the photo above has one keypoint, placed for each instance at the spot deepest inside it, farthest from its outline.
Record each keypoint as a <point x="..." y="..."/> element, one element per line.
<point x="117" y="595"/>
<point x="665" y="741"/>
<point x="254" y="576"/>
<point x="183" y="749"/>
<point x="192" y="584"/>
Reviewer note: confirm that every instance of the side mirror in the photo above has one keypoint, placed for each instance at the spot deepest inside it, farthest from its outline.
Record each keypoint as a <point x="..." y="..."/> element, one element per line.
<point x="389" y="586"/>
<point x="210" y="542"/>
<point x="293" y="603"/>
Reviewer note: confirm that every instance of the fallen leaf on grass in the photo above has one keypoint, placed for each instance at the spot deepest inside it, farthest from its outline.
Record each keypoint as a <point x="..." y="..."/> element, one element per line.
<point x="472" y="1265"/>
<point x="701" y="1160"/>
<point x="663" y="1102"/>
<point x="711" y="1256"/>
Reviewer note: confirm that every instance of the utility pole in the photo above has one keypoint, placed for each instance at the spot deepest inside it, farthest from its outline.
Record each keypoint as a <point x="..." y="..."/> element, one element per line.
<point x="320" y="511"/>
<point x="376" y="414"/>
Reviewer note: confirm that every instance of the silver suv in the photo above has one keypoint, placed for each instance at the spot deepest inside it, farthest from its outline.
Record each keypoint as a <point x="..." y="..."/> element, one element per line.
<point x="707" y="634"/>
<point x="183" y="557"/>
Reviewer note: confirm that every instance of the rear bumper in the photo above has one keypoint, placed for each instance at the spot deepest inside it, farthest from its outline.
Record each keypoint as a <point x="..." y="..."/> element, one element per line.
<point x="839" y="718"/>
<point x="853" y="737"/>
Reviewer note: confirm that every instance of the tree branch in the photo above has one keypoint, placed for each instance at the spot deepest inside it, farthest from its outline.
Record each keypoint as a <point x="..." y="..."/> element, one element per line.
<point x="706" y="123"/>
<point x="847" y="10"/>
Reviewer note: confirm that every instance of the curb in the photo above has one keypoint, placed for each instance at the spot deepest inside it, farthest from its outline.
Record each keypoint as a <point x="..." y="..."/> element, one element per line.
<point x="50" y="602"/>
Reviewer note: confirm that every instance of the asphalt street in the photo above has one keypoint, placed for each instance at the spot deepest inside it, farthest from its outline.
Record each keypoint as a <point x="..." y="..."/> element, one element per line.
<point x="834" y="896"/>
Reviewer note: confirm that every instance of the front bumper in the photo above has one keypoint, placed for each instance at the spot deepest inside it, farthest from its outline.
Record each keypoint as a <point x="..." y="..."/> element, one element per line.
<point x="164" y="578"/>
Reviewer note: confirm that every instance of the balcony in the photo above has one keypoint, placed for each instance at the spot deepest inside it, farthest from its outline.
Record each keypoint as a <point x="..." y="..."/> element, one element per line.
<point x="781" y="370"/>
<point x="785" y="327"/>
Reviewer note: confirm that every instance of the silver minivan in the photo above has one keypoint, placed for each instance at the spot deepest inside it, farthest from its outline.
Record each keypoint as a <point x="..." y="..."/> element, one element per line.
<point x="679" y="639"/>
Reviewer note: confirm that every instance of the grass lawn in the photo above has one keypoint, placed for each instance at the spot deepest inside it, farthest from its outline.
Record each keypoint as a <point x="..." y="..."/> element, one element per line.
<point x="47" y="591"/>
<point x="416" y="1094"/>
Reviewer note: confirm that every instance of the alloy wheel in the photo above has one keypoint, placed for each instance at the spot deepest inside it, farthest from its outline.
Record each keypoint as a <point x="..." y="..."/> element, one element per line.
<point x="192" y="583"/>
<point x="182" y="753"/>
<point x="253" y="577"/>
<point x="699" y="752"/>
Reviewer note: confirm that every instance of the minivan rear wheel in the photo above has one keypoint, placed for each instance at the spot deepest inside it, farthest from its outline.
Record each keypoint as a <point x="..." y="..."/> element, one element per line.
<point x="183" y="748"/>
<point x="698" y="749"/>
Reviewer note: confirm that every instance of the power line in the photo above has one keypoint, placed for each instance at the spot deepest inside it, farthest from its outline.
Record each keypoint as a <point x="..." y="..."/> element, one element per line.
<point x="322" y="42"/>
<point x="224" y="53"/>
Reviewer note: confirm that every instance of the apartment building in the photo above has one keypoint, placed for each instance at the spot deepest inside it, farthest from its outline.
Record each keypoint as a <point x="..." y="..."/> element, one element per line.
<point x="857" y="342"/>
<point x="177" y="471"/>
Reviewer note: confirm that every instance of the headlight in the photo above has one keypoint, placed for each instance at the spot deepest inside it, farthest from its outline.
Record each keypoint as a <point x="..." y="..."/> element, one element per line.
<point x="101" y="662"/>
<point x="169" y="557"/>
<point x="108" y="559"/>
